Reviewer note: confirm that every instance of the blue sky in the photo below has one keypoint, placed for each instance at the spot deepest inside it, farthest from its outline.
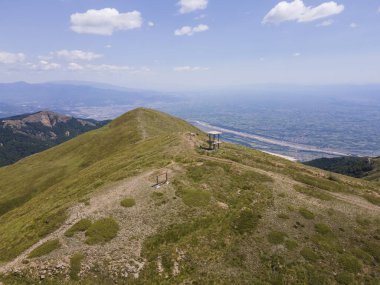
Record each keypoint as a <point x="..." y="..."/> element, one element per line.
<point x="191" y="44"/>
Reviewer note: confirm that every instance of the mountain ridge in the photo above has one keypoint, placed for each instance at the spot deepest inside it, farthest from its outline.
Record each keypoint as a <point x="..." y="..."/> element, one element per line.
<point x="234" y="215"/>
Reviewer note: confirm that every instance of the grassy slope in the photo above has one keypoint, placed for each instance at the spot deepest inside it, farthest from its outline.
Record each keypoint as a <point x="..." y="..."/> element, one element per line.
<point x="36" y="191"/>
<point x="251" y="218"/>
<point x="374" y="175"/>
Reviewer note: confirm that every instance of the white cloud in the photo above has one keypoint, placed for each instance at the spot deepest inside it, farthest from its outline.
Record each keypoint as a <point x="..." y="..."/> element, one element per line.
<point x="297" y="11"/>
<point x="71" y="55"/>
<point x="108" y="46"/>
<point x="151" y="24"/>
<point x="10" y="58"/>
<point x="187" y="6"/>
<point x="326" y="23"/>
<point x="188" y="68"/>
<point x="189" y="31"/>
<point x="105" y="21"/>
<point x="116" y="68"/>
<point x="353" y="25"/>
<point x="74" y="66"/>
<point x="44" y="65"/>
<point x="200" y="17"/>
<point x="296" y="54"/>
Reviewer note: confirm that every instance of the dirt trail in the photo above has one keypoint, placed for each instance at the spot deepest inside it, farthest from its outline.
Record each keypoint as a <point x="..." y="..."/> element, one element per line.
<point x="102" y="202"/>
<point x="356" y="201"/>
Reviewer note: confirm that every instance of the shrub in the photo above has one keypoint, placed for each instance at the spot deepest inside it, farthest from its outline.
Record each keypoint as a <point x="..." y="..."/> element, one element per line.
<point x="245" y="222"/>
<point x="350" y="263"/>
<point x="364" y="256"/>
<point x="45" y="248"/>
<point x="75" y="265"/>
<point x="373" y="248"/>
<point x="102" y="231"/>
<point x="322" y="229"/>
<point x="306" y="213"/>
<point x="291" y="244"/>
<point x="80" y="226"/>
<point x="344" y="278"/>
<point x="194" y="197"/>
<point x="276" y="237"/>
<point x="128" y="202"/>
<point x="283" y="216"/>
<point x="309" y="254"/>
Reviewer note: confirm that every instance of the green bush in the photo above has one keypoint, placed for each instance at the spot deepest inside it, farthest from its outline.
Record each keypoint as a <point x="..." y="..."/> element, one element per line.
<point x="245" y="222"/>
<point x="283" y="216"/>
<point x="350" y="263"/>
<point x="309" y="254"/>
<point x="194" y="197"/>
<point x="45" y="248"/>
<point x="373" y="248"/>
<point x="102" y="231"/>
<point x="128" y="202"/>
<point x="322" y="229"/>
<point x="80" y="226"/>
<point x="276" y="237"/>
<point x="291" y="244"/>
<point x="75" y="265"/>
<point x="344" y="278"/>
<point x="306" y="213"/>
<point x="364" y="256"/>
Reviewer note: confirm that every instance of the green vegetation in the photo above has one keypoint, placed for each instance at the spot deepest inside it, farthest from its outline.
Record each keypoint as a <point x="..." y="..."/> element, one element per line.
<point x="102" y="231"/>
<point x="276" y="237"/>
<point x="205" y="242"/>
<point x="128" y="202"/>
<point x="350" y="263"/>
<point x="309" y="254"/>
<point x="322" y="229"/>
<point x="75" y="265"/>
<point x="20" y="140"/>
<point x="45" y="248"/>
<point x="306" y="213"/>
<point x="313" y="192"/>
<point x="80" y="226"/>
<point x="194" y="197"/>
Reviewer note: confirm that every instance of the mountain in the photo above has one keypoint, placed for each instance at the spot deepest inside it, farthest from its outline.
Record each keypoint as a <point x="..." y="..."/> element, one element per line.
<point x="89" y="211"/>
<point x="359" y="167"/>
<point x="24" y="135"/>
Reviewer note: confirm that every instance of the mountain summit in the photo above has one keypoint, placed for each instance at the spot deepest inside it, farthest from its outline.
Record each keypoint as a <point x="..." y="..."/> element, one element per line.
<point x="140" y="201"/>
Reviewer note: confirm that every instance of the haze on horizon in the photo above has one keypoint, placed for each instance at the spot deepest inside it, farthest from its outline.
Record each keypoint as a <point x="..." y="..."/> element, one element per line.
<point x="187" y="44"/>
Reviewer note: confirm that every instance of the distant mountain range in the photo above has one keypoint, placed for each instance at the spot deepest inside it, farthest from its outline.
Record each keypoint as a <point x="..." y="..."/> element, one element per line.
<point x="24" y="135"/>
<point x="22" y="97"/>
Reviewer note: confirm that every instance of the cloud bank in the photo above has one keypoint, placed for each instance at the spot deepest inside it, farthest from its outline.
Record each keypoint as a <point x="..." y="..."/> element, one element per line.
<point x="10" y="58"/>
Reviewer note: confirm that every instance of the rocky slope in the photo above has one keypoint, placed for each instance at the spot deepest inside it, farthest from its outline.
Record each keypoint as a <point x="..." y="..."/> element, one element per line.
<point x="24" y="135"/>
<point x="235" y="215"/>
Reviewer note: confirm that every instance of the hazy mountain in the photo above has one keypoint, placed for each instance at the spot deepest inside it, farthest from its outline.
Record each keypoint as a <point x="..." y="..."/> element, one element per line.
<point x="24" y="135"/>
<point x="86" y="211"/>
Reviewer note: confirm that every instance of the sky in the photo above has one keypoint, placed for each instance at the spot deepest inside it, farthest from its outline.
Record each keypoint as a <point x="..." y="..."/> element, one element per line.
<point x="191" y="44"/>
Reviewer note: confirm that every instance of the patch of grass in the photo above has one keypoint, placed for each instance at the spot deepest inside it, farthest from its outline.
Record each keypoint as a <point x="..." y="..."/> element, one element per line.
<point x="328" y="243"/>
<point x="75" y="266"/>
<point x="322" y="229"/>
<point x="350" y="263"/>
<point x="372" y="199"/>
<point x="363" y="222"/>
<point x="313" y="192"/>
<point x="80" y="226"/>
<point x="309" y="254"/>
<point x="373" y="248"/>
<point x="283" y="216"/>
<point x="245" y="222"/>
<point x="194" y="197"/>
<point x="345" y="278"/>
<point x="306" y="213"/>
<point x="291" y="244"/>
<point x="364" y="256"/>
<point x="276" y="237"/>
<point x="45" y="248"/>
<point x="128" y="202"/>
<point x="102" y="231"/>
